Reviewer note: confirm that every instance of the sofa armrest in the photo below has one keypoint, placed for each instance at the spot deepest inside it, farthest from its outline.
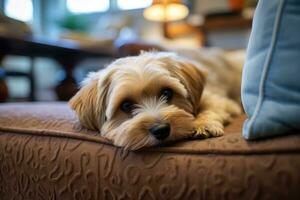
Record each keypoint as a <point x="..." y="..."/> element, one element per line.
<point x="46" y="154"/>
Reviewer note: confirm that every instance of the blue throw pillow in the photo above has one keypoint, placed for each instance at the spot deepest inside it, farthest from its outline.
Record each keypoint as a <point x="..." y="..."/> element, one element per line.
<point x="271" y="75"/>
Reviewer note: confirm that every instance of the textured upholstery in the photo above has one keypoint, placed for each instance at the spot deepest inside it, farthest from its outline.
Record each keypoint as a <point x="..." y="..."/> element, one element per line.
<point x="45" y="154"/>
<point x="270" y="83"/>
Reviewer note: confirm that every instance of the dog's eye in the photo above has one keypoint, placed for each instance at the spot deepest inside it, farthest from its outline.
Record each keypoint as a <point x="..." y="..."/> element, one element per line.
<point x="127" y="106"/>
<point x="167" y="93"/>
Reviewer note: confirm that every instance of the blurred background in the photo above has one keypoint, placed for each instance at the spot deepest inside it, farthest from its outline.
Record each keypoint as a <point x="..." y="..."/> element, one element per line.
<point x="48" y="46"/>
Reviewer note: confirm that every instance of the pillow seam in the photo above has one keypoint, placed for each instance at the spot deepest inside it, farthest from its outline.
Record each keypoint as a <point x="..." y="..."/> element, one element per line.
<point x="266" y="66"/>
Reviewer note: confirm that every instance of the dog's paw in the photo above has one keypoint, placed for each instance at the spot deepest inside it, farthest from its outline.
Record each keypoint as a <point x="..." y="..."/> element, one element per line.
<point x="205" y="129"/>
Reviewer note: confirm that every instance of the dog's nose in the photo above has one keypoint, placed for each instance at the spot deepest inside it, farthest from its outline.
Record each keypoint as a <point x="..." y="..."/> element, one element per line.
<point x="160" y="131"/>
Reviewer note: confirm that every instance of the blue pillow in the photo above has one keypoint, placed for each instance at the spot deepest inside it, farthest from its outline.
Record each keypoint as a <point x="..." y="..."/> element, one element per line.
<point x="271" y="75"/>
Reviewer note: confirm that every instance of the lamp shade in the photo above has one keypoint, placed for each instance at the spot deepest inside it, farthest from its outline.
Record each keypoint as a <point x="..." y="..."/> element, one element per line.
<point x="166" y="10"/>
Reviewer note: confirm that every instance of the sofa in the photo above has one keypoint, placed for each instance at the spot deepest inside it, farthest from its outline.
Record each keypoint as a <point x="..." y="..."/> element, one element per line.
<point x="46" y="154"/>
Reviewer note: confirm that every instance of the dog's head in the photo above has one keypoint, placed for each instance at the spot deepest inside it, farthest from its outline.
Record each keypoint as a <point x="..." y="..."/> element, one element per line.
<point x="143" y="100"/>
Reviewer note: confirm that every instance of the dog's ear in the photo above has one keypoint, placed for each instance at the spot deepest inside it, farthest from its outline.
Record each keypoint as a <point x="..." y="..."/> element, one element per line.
<point x="90" y="101"/>
<point x="193" y="78"/>
<point x="190" y="74"/>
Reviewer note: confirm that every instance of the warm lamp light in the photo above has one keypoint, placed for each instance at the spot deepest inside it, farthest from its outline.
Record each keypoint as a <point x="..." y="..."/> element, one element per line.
<point x="166" y="10"/>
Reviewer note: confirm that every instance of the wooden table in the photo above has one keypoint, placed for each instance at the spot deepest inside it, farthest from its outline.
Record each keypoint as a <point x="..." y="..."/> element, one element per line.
<point x="67" y="53"/>
<point x="223" y="23"/>
<point x="229" y="21"/>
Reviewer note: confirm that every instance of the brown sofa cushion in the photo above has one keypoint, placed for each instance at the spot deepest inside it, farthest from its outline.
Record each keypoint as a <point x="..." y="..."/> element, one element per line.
<point x="45" y="153"/>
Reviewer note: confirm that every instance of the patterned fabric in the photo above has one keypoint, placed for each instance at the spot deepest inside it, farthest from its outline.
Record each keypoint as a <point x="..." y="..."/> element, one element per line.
<point x="46" y="154"/>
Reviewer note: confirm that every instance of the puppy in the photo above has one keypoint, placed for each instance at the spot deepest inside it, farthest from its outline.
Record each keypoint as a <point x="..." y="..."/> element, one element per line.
<point x="158" y="97"/>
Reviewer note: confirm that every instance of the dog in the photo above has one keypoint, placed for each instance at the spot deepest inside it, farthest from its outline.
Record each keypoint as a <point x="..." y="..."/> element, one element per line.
<point x="158" y="97"/>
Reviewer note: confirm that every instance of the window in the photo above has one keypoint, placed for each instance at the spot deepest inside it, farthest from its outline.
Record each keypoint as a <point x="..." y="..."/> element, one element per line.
<point x="89" y="6"/>
<point x="133" y="4"/>
<point x="19" y="9"/>
<point x="84" y="6"/>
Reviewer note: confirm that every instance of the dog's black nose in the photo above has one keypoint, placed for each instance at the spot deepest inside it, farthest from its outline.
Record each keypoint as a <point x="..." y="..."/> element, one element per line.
<point x="160" y="131"/>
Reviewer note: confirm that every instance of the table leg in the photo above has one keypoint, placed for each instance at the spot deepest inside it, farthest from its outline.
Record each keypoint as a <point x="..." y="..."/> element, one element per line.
<point x="3" y="85"/>
<point x="68" y="86"/>
<point x="32" y="80"/>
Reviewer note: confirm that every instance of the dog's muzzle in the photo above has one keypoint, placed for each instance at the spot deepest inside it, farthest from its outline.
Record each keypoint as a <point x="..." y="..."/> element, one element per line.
<point x="160" y="131"/>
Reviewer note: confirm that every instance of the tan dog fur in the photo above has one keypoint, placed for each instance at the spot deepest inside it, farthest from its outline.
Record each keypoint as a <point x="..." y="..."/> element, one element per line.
<point x="204" y="98"/>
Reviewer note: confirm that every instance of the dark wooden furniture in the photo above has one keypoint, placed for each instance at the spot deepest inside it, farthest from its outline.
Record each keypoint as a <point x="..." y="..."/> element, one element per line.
<point x="226" y="22"/>
<point x="67" y="53"/>
<point x="223" y="23"/>
<point x="3" y="86"/>
<point x="220" y="22"/>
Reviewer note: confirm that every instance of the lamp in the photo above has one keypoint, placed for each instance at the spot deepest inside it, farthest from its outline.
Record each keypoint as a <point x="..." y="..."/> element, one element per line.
<point x="166" y="11"/>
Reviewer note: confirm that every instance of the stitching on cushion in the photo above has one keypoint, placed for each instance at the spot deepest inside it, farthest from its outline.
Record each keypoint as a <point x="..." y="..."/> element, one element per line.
<point x="267" y="65"/>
